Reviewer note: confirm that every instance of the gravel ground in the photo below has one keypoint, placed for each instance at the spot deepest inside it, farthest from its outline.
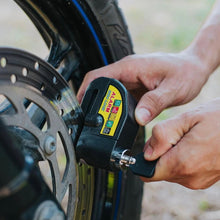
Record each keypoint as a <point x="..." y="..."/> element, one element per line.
<point x="162" y="200"/>
<point x="169" y="201"/>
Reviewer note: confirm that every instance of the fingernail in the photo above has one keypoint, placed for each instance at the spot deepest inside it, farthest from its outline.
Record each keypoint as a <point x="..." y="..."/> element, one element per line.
<point x="148" y="153"/>
<point x="142" y="116"/>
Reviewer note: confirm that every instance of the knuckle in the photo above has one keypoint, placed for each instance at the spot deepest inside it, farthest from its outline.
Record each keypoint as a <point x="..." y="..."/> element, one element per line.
<point x="192" y="117"/>
<point x="187" y="117"/>
<point x="157" y="129"/>
<point x="88" y="75"/>
<point x="93" y="74"/>
<point x="129" y="57"/>
<point x="159" y="132"/>
<point x="180" y="98"/>
<point x="199" y="114"/>
<point x="156" y="102"/>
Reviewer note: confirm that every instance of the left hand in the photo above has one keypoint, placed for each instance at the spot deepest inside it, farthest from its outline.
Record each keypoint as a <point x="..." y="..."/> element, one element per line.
<point x="156" y="80"/>
<point x="189" y="148"/>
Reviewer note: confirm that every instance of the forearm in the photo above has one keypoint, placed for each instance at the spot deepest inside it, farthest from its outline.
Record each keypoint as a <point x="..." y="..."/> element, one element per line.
<point x="206" y="45"/>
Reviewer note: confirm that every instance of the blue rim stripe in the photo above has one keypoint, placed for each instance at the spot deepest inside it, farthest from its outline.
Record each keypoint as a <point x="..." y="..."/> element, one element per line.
<point x="118" y="195"/>
<point x="105" y="63"/>
<point x="92" y="31"/>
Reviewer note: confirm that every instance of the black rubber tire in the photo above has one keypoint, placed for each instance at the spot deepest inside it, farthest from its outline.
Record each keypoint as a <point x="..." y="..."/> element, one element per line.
<point x="113" y="25"/>
<point x="110" y="18"/>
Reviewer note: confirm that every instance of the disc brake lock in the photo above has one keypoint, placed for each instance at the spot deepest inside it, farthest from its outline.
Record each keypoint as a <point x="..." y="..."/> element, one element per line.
<point x="110" y="129"/>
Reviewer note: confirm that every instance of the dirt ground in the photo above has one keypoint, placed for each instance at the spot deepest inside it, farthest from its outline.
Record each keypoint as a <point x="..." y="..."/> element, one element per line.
<point x="155" y="26"/>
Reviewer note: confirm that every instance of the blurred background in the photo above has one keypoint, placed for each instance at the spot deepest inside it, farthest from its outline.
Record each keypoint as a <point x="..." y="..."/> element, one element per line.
<point x="170" y="26"/>
<point x="167" y="26"/>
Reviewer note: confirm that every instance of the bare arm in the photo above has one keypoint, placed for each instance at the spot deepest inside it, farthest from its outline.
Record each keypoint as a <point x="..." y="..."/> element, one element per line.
<point x="206" y="45"/>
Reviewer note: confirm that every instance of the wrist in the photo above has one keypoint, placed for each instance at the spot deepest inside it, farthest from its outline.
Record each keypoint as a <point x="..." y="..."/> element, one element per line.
<point x="207" y="55"/>
<point x="206" y="46"/>
<point x="202" y="67"/>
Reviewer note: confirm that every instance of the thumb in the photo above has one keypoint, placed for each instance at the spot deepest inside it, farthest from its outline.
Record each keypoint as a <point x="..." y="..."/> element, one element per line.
<point x="167" y="134"/>
<point x="153" y="103"/>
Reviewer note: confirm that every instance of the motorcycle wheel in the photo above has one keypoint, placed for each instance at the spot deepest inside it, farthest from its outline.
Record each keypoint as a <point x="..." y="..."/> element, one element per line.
<point x="81" y="36"/>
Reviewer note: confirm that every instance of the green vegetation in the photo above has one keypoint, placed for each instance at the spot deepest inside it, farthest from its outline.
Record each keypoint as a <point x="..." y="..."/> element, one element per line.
<point x="164" y="25"/>
<point x="204" y="205"/>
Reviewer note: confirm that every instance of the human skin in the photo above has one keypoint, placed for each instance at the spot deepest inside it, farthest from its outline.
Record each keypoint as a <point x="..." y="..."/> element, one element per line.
<point x="187" y="144"/>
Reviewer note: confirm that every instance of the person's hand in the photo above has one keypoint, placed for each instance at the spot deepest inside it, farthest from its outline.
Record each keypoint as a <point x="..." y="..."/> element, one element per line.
<point x="189" y="146"/>
<point x="157" y="80"/>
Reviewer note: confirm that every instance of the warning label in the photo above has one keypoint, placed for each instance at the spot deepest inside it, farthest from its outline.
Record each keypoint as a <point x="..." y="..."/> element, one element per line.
<point x="111" y="110"/>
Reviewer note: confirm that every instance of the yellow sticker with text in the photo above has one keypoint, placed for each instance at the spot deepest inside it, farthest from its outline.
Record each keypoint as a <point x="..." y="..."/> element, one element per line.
<point x="111" y="110"/>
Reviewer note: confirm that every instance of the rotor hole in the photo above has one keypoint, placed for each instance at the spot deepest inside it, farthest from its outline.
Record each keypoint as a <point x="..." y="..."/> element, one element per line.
<point x="83" y="212"/>
<point x="54" y="80"/>
<point x="42" y="88"/>
<point x="61" y="112"/>
<point x="13" y="78"/>
<point x="59" y="97"/>
<point x="72" y="113"/>
<point x="3" y="62"/>
<point x="36" y="66"/>
<point x="70" y="131"/>
<point x="24" y="72"/>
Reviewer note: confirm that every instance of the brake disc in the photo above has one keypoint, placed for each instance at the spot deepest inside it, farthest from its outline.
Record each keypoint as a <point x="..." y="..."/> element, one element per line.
<point x="41" y="110"/>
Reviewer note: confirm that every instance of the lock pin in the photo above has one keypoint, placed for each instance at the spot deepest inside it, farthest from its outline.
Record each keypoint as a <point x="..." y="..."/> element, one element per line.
<point x="126" y="160"/>
<point x="122" y="159"/>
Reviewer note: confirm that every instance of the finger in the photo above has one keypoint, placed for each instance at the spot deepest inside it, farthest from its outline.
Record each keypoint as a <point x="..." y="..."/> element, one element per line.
<point x="165" y="167"/>
<point x="153" y="103"/>
<point x="186" y="164"/>
<point x="132" y="71"/>
<point x="114" y="70"/>
<point x="167" y="134"/>
<point x="172" y="165"/>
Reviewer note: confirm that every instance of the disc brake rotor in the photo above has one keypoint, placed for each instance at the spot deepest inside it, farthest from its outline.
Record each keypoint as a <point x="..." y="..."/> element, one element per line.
<point x="40" y="109"/>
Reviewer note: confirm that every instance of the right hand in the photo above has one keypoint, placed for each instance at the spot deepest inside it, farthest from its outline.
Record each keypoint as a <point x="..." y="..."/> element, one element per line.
<point x="188" y="147"/>
<point x="157" y="80"/>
